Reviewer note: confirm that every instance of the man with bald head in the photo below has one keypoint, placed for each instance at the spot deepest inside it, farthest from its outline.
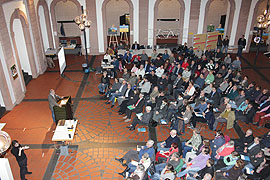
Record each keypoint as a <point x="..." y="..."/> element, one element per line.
<point x="173" y="138"/>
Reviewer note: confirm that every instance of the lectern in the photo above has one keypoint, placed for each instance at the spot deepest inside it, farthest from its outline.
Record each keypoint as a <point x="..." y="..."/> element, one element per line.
<point x="65" y="111"/>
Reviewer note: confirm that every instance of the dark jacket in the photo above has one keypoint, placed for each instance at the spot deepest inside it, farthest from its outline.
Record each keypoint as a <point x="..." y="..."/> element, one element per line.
<point x="105" y="80"/>
<point x="146" y="117"/>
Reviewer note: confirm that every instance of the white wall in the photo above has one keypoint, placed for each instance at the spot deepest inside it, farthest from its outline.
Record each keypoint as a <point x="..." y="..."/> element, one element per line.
<point x="43" y="28"/>
<point x="168" y="9"/>
<point x="67" y="11"/>
<point x="100" y="30"/>
<point x="21" y="46"/>
<point x="216" y="9"/>
<point x="120" y="7"/>
<point x="5" y="170"/>
<point x="2" y="103"/>
<point x="7" y="73"/>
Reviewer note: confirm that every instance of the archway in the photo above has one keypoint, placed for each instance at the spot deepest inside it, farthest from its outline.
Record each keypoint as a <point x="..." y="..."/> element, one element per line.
<point x="44" y="24"/>
<point x="60" y="8"/>
<point x="22" y="43"/>
<point x="169" y="9"/>
<point x="215" y="9"/>
<point x="109" y="13"/>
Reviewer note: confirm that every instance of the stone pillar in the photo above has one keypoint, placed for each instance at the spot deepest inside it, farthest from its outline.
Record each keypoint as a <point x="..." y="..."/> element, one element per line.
<point x="143" y="22"/>
<point x="4" y="90"/>
<point x="243" y="19"/>
<point x="40" y="55"/>
<point x="93" y="36"/>
<point x="194" y="19"/>
<point x="18" y="90"/>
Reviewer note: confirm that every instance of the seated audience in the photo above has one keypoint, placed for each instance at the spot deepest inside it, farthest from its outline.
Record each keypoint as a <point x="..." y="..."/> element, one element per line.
<point x="166" y="145"/>
<point x="104" y="83"/>
<point x="227" y="116"/>
<point x="141" y="118"/>
<point x="193" y="143"/>
<point x="136" y="107"/>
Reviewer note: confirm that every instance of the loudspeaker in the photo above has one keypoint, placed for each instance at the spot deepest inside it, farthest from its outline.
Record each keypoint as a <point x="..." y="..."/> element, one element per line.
<point x="222" y="21"/>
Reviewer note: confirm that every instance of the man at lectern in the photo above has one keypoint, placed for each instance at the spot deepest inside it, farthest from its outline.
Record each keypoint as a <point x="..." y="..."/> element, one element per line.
<point x="53" y="98"/>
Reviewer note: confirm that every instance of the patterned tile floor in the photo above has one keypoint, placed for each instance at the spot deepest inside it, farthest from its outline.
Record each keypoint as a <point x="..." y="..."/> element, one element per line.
<point x="101" y="135"/>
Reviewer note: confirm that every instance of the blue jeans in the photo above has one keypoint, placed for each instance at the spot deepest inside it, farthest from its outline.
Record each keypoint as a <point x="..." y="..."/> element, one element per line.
<point x="113" y="96"/>
<point x="185" y="149"/>
<point x="182" y="173"/>
<point x="102" y="87"/>
<point x="53" y="116"/>
<point x="224" y="48"/>
<point x="156" y="176"/>
<point x="160" y="167"/>
<point x="159" y="148"/>
<point x="132" y="168"/>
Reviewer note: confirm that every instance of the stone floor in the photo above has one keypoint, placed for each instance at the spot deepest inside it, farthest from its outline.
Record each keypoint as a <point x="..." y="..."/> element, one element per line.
<point x="101" y="135"/>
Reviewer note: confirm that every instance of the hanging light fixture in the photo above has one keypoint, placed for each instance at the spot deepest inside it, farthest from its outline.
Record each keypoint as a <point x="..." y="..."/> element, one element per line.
<point x="264" y="19"/>
<point x="83" y="23"/>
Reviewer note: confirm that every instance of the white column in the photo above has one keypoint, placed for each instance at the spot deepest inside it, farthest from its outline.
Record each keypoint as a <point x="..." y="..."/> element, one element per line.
<point x="235" y="21"/>
<point x="100" y="25"/>
<point x="151" y="20"/>
<point x="51" y="24"/>
<point x="227" y="18"/>
<point x="135" y="21"/>
<point x="7" y="75"/>
<point x="201" y="17"/>
<point x="250" y="16"/>
<point x="32" y="38"/>
<point x="186" y="21"/>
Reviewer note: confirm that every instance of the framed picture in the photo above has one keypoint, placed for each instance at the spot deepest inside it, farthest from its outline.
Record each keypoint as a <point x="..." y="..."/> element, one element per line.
<point x="14" y="71"/>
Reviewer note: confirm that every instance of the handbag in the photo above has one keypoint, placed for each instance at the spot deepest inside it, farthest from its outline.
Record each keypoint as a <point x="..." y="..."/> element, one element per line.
<point x="153" y="123"/>
<point x="152" y="168"/>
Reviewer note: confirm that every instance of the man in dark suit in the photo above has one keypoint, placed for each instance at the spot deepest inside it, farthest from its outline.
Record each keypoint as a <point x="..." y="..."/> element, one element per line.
<point x="142" y="119"/>
<point x="152" y="78"/>
<point x="241" y="45"/>
<point x="119" y="92"/>
<point x="53" y="99"/>
<point x="135" y="46"/>
<point x="253" y="148"/>
<point x="136" y="107"/>
<point x="248" y="114"/>
<point x="129" y="93"/>
<point x="214" y="96"/>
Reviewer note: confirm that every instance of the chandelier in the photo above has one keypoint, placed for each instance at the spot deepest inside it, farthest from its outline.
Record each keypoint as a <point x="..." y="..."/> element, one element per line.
<point x="82" y="21"/>
<point x="264" y="19"/>
<point x="5" y="142"/>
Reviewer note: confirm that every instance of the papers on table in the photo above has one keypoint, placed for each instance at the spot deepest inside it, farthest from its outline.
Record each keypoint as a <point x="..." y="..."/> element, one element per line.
<point x="65" y="130"/>
<point x="63" y="101"/>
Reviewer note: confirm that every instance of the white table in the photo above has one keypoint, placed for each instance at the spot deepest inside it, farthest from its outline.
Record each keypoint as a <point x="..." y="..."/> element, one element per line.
<point x="147" y="51"/>
<point x="2" y="125"/>
<point x="65" y="132"/>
